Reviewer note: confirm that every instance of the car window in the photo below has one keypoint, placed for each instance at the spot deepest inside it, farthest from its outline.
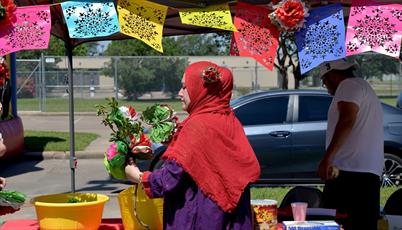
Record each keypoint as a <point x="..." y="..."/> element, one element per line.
<point x="263" y="111"/>
<point x="313" y="108"/>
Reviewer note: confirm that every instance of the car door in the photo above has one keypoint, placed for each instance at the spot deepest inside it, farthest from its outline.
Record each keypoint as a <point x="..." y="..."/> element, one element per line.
<point x="309" y="128"/>
<point x="265" y="122"/>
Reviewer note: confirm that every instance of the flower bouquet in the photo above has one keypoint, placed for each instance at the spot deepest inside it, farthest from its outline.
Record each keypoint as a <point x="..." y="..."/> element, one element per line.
<point x="11" y="201"/>
<point x="127" y="137"/>
<point x="163" y="122"/>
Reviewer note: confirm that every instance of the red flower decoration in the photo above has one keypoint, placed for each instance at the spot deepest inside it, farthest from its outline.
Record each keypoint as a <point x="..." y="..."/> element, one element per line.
<point x="289" y="15"/>
<point x="7" y="16"/>
<point x="4" y="73"/>
<point x="142" y="145"/>
<point x="210" y="75"/>
<point x="132" y="111"/>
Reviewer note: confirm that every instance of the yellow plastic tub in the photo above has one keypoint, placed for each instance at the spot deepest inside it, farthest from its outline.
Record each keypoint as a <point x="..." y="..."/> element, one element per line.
<point x="149" y="211"/>
<point x="57" y="212"/>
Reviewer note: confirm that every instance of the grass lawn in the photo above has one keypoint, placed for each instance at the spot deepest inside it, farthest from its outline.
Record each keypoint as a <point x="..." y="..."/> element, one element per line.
<point x="277" y="193"/>
<point x="389" y="101"/>
<point x="86" y="105"/>
<point x="39" y="141"/>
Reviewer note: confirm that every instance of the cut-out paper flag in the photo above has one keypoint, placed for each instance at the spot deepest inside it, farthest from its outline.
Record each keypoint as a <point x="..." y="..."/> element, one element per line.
<point x="31" y="30"/>
<point x="214" y="16"/>
<point x="323" y="39"/>
<point x="88" y="19"/>
<point x="234" y="51"/>
<point x="257" y="37"/>
<point x="374" y="27"/>
<point x="143" y="20"/>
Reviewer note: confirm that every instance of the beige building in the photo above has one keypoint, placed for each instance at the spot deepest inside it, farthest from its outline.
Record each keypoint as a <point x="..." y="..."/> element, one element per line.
<point x="246" y="71"/>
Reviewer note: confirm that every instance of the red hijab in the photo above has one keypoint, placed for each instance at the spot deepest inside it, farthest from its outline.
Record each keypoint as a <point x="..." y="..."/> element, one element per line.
<point x="211" y="145"/>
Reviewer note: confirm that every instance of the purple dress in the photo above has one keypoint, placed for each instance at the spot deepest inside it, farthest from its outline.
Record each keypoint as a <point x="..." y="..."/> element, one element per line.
<point x="186" y="206"/>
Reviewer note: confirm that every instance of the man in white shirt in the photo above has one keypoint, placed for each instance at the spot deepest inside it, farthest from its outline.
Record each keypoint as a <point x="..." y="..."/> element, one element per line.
<point x="354" y="145"/>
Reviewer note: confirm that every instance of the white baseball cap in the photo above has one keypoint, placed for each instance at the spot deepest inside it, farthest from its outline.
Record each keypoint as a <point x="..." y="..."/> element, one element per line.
<point x="340" y="64"/>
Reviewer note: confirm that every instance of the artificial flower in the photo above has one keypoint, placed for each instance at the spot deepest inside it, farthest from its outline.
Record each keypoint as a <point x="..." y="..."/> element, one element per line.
<point x="130" y="113"/>
<point x="121" y="147"/>
<point x="210" y="75"/>
<point x="289" y="15"/>
<point x="4" y="73"/>
<point x="163" y="122"/>
<point x="111" y="151"/>
<point x="7" y="16"/>
<point x="127" y="136"/>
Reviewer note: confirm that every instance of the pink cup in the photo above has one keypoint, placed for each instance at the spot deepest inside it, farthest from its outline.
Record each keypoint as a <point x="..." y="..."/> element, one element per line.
<point x="299" y="210"/>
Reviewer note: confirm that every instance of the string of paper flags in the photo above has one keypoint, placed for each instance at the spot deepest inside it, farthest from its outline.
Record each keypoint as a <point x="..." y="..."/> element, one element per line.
<point x="320" y="33"/>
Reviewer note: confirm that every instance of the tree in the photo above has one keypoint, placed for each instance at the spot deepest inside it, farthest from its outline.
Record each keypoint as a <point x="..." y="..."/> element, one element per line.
<point x="139" y="75"/>
<point x="57" y="48"/>
<point x="171" y="70"/>
<point x="376" y="65"/>
<point x="135" y="76"/>
<point x="188" y="45"/>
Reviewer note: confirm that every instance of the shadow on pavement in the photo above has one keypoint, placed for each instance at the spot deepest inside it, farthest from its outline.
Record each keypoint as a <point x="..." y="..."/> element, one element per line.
<point x="99" y="185"/>
<point x="8" y="168"/>
<point x="38" y="144"/>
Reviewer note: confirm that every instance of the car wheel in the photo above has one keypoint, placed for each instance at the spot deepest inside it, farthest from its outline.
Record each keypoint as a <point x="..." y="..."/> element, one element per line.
<point x="392" y="172"/>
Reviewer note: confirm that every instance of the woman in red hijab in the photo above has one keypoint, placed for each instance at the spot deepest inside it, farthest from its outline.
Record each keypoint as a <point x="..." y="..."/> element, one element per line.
<point x="209" y="162"/>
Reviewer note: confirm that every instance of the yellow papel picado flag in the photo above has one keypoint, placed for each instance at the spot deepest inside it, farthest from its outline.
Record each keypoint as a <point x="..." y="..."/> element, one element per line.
<point x="142" y="20"/>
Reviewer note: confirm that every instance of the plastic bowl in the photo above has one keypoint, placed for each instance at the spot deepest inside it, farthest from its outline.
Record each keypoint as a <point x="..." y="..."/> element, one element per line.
<point x="56" y="211"/>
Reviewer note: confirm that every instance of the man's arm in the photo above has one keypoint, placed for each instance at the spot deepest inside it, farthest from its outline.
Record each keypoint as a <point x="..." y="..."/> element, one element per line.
<point x="347" y="117"/>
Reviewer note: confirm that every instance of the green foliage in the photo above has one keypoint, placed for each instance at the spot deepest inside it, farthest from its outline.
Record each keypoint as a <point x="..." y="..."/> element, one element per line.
<point x="13" y="196"/>
<point x="169" y="71"/>
<point x="137" y="76"/>
<point x="278" y="193"/>
<point x="121" y="126"/>
<point x="186" y="45"/>
<point x="57" y="48"/>
<point x="196" y="45"/>
<point x="376" y="65"/>
<point x="162" y="120"/>
<point x="140" y="75"/>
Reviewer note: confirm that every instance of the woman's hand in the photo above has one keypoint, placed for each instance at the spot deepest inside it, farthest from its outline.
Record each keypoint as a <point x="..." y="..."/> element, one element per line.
<point x="2" y="182"/>
<point x="133" y="173"/>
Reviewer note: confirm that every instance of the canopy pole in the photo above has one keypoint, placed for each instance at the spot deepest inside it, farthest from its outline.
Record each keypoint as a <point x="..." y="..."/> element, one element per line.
<point x="73" y="159"/>
<point x="13" y="79"/>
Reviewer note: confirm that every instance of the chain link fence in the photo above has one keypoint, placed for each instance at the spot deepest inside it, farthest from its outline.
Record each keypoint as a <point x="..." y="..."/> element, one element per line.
<point x="42" y="83"/>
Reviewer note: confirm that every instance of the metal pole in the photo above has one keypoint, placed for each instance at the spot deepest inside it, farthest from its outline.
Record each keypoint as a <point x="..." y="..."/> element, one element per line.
<point x="116" y="87"/>
<point x="256" y="75"/>
<point x="43" y="84"/>
<point x="13" y="81"/>
<point x="73" y="159"/>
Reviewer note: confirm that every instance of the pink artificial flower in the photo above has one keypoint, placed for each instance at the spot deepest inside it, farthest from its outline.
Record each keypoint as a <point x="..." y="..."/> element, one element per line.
<point x="112" y="151"/>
